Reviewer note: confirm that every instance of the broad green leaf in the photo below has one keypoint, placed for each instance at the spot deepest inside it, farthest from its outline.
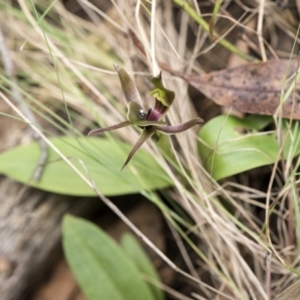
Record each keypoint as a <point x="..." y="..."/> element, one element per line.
<point x="256" y="122"/>
<point x="141" y="260"/>
<point x="98" y="158"/>
<point x="226" y="149"/>
<point x="101" y="268"/>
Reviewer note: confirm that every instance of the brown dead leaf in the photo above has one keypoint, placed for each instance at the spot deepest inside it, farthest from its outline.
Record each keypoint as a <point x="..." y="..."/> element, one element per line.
<point x="252" y="88"/>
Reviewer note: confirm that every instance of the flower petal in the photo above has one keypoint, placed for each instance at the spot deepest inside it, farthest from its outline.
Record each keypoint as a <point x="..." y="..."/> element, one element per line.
<point x="135" y="112"/>
<point x="158" y="111"/>
<point x="117" y="126"/>
<point x="177" y="128"/>
<point x="160" y="93"/>
<point x="163" y="99"/>
<point x="137" y="116"/>
<point x="129" y="88"/>
<point x="146" y="134"/>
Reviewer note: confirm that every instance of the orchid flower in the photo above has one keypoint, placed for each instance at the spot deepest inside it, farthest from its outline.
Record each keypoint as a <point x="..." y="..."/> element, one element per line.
<point x="150" y="120"/>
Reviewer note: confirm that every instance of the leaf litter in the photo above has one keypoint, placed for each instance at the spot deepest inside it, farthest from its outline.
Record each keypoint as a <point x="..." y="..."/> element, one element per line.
<point x="255" y="88"/>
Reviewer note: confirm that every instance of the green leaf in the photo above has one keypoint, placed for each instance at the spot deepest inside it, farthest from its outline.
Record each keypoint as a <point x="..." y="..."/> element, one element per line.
<point x="226" y="149"/>
<point x="98" y="158"/>
<point x="142" y="262"/>
<point x="101" y="268"/>
<point x="257" y="122"/>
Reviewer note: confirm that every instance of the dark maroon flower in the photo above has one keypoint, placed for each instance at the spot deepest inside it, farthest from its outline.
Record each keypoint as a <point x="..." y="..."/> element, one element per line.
<point x="150" y="120"/>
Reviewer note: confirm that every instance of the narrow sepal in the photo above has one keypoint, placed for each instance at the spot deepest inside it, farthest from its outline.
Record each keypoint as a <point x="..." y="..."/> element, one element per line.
<point x="146" y="134"/>
<point x="178" y="128"/>
<point x="145" y="123"/>
<point x="117" y="126"/>
<point x="129" y="88"/>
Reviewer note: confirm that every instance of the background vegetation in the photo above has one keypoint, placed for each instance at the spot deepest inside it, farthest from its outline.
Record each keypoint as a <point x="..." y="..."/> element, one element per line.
<point x="225" y="196"/>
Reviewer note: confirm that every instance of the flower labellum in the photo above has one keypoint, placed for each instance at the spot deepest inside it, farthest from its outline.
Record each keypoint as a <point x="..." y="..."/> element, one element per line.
<point x="150" y="120"/>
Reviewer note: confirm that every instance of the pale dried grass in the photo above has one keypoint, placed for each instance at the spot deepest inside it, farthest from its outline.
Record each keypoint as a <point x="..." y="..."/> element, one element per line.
<point x="71" y="59"/>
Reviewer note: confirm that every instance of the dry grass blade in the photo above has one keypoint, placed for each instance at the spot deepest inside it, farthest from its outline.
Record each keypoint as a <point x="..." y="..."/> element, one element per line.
<point x="66" y="63"/>
<point x="291" y="293"/>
